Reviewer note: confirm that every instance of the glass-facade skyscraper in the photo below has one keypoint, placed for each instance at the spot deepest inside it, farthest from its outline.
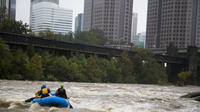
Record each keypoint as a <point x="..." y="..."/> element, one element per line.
<point x="79" y="22"/>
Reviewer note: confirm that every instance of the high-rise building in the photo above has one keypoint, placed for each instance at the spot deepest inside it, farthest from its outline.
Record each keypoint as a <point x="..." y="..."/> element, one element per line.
<point x="114" y="17"/>
<point x="10" y="6"/>
<point x="142" y="39"/>
<point x="46" y="14"/>
<point x="79" y="22"/>
<point x="134" y="28"/>
<point x="173" y="21"/>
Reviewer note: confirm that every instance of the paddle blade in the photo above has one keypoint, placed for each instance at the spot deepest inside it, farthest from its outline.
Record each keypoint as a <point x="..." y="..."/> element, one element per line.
<point x="70" y="106"/>
<point x="29" y="100"/>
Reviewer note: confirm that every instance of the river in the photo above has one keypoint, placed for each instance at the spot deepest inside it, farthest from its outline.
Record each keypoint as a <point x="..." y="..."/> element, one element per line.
<point x="94" y="97"/>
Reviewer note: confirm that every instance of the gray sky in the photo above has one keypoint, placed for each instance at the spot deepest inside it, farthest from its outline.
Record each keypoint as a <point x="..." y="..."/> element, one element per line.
<point x="139" y="6"/>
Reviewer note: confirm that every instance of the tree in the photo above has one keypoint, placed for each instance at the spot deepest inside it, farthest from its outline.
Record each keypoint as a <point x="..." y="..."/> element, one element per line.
<point x="12" y="26"/>
<point x="21" y="64"/>
<point x="77" y="68"/>
<point x="113" y="72"/>
<point x="36" y="67"/>
<point x="5" y="61"/>
<point x="183" y="76"/>
<point x="59" y="68"/>
<point x="93" y="71"/>
<point x="47" y="34"/>
<point x="93" y="37"/>
<point x="127" y="70"/>
<point x="147" y="69"/>
<point x="3" y="13"/>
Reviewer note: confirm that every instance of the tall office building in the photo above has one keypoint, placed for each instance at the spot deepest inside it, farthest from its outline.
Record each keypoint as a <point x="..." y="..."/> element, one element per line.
<point x="10" y="6"/>
<point x="79" y="22"/>
<point x="46" y="14"/>
<point x="134" y="28"/>
<point x="173" y="21"/>
<point x="114" y="17"/>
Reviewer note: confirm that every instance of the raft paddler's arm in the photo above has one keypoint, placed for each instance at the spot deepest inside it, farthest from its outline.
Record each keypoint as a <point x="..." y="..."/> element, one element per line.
<point x="37" y="94"/>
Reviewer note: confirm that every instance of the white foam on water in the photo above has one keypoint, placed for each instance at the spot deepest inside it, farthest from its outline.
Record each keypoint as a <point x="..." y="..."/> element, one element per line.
<point x="34" y="107"/>
<point x="53" y="109"/>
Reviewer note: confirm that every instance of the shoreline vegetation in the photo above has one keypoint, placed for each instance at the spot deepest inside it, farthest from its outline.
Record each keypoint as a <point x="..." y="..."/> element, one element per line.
<point x="32" y="64"/>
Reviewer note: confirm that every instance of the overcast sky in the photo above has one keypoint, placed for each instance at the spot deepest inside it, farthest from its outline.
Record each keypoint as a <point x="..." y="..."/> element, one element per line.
<point x="139" y="6"/>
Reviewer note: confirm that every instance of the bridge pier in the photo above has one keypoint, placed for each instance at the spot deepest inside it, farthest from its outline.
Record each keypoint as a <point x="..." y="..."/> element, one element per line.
<point x="192" y="64"/>
<point x="173" y="70"/>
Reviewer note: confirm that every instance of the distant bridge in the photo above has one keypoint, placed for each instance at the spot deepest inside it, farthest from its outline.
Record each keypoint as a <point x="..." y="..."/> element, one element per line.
<point x="24" y="40"/>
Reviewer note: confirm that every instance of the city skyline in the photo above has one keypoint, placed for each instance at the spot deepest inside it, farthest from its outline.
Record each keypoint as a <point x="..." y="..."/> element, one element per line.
<point x="140" y="7"/>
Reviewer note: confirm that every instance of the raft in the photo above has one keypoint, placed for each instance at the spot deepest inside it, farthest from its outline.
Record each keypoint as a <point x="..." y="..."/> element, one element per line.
<point x="52" y="101"/>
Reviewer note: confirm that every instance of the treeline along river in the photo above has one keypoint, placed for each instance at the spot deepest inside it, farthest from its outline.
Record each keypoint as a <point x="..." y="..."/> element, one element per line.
<point x="96" y="97"/>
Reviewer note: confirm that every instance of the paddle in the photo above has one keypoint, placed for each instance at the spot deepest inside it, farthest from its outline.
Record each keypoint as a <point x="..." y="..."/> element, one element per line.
<point x="70" y="106"/>
<point x="30" y="99"/>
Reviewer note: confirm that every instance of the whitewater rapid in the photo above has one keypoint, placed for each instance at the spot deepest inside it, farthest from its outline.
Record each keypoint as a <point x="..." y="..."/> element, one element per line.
<point x="94" y="97"/>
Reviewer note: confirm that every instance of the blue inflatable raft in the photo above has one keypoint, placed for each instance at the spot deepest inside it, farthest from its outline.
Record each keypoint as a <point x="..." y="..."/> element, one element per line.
<point x="52" y="101"/>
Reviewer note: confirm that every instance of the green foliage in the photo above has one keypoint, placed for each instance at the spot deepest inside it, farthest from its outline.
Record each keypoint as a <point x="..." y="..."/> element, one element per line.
<point x="12" y="26"/>
<point x="113" y="72"/>
<point x="33" y="65"/>
<point x="127" y="70"/>
<point x="3" y="13"/>
<point x="5" y="60"/>
<point x="183" y="76"/>
<point x="48" y="34"/>
<point x="147" y="69"/>
<point x="36" y="67"/>
<point x="21" y="64"/>
<point x="93" y="37"/>
<point x="94" y="71"/>
<point x="59" y="68"/>
<point x="51" y="78"/>
<point x="77" y="68"/>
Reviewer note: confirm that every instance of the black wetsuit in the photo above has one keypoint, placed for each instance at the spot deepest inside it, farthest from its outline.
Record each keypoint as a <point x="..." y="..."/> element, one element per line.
<point x="61" y="93"/>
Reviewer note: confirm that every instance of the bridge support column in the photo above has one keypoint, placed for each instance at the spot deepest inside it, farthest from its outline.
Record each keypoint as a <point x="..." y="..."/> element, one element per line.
<point x="192" y="63"/>
<point x="173" y="70"/>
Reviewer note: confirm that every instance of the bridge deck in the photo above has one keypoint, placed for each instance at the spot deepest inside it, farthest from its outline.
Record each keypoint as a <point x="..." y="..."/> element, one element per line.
<point x="24" y="40"/>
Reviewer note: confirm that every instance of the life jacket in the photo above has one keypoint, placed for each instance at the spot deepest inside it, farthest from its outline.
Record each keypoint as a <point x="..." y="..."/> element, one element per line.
<point x="37" y="93"/>
<point x="44" y="92"/>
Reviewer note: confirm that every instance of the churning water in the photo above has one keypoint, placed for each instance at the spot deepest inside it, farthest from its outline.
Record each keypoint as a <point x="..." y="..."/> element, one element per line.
<point x="93" y="97"/>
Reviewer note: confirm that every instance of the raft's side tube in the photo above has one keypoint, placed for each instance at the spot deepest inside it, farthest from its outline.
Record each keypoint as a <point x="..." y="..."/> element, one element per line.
<point x="53" y="100"/>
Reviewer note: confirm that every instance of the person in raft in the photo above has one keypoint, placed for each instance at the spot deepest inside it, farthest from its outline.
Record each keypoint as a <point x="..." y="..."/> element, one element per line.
<point x="61" y="92"/>
<point x="43" y="92"/>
